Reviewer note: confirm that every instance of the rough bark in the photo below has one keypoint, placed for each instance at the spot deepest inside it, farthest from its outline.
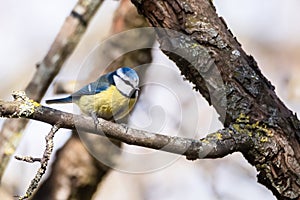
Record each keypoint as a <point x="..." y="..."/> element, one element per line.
<point x="244" y="98"/>
<point x="258" y="123"/>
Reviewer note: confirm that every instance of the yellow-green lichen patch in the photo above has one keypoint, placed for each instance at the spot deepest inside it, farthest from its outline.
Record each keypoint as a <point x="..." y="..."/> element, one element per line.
<point x="35" y="104"/>
<point x="212" y="137"/>
<point x="27" y="106"/>
<point x="262" y="128"/>
<point x="242" y="118"/>
<point x="218" y="136"/>
<point x="257" y="130"/>
<point x="242" y="130"/>
<point x="264" y="139"/>
<point x="194" y="45"/>
<point x="205" y="141"/>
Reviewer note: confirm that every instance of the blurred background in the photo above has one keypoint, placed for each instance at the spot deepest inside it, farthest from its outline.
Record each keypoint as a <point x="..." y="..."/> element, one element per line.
<point x="268" y="30"/>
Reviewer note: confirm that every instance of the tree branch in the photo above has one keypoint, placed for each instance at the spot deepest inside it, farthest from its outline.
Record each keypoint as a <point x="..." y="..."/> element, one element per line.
<point x="44" y="162"/>
<point x="215" y="145"/>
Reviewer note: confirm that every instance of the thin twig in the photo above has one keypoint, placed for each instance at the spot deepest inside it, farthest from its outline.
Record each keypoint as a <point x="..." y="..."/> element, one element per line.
<point x="44" y="162"/>
<point x="28" y="159"/>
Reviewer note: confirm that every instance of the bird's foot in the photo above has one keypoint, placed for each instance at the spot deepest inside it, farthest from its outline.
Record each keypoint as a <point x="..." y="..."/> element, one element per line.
<point x="95" y="118"/>
<point x="125" y="126"/>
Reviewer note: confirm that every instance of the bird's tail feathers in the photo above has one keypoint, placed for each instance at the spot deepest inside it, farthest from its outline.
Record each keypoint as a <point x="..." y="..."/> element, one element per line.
<point x="61" y="100"/>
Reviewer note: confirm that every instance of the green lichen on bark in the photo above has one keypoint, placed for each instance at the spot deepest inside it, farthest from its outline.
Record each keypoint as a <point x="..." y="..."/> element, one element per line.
<point x="26" y="106"/>
<point x="268" y="133"/>
<point x="258" y="130"/>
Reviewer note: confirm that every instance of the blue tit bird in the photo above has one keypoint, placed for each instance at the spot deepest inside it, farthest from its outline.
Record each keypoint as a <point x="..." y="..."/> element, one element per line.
<point x="112" y="96"/>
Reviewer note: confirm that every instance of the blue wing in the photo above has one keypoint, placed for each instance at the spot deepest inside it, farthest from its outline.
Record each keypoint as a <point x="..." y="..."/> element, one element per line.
<point x="99" y="85"/>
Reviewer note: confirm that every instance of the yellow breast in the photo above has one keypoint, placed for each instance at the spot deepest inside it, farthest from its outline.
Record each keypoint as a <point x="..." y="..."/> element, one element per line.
<point x="109" y="104"/>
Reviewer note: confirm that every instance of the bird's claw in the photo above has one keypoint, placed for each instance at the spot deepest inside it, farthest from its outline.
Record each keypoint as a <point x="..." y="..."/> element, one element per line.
<point x="95" y="118"/>
<point x="125" y="126"/>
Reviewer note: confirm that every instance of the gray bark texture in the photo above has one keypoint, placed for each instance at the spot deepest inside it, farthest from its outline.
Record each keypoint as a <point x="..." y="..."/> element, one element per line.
<point x="244" y="98"/>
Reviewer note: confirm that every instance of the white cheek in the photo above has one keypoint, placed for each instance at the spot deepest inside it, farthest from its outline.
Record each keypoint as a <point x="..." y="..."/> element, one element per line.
<point x="122" y="86"/>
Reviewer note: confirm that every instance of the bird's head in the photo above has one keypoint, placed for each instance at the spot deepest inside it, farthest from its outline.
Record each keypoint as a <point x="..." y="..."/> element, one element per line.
<point x="126" y="81"/>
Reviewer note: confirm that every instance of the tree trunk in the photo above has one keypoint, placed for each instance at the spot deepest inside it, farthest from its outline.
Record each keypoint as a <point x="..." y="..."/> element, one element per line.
<point x="209" y="56"/>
